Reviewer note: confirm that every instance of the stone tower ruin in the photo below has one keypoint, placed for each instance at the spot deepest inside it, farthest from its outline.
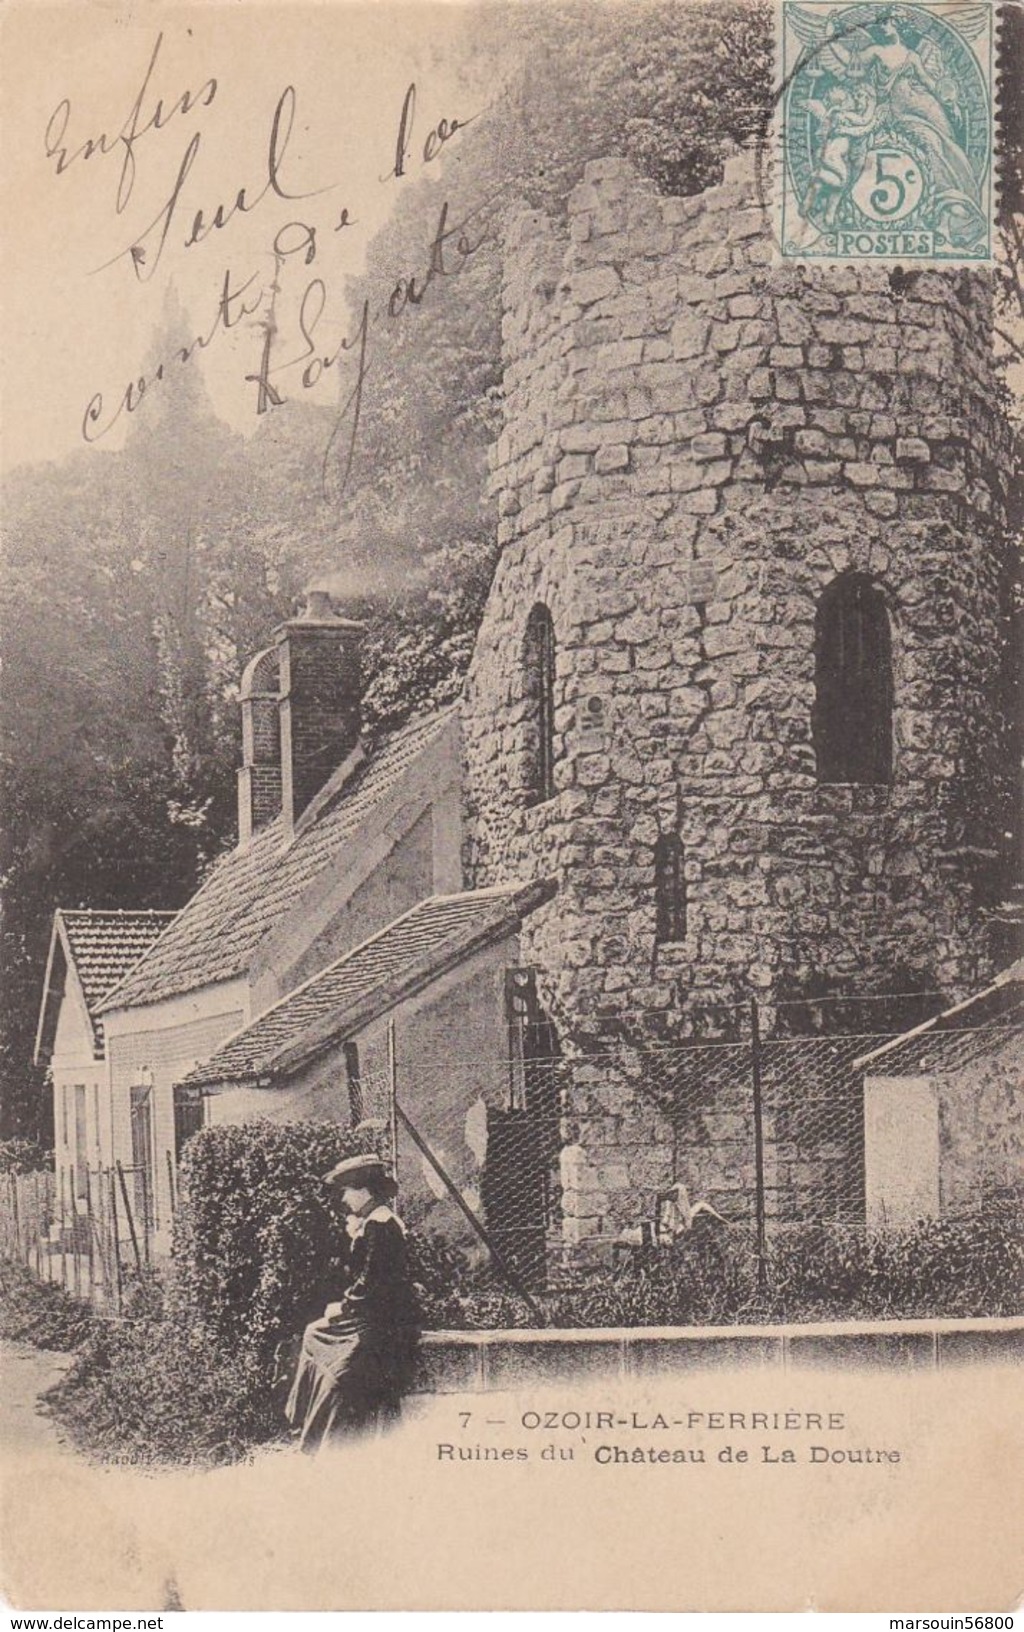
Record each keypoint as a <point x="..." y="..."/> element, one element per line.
<point x="736" y="686"/>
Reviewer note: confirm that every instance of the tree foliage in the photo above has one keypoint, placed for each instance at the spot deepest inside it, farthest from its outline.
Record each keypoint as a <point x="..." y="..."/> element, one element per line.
<point x="672" y="86"/>
<point x="136" y="585"/>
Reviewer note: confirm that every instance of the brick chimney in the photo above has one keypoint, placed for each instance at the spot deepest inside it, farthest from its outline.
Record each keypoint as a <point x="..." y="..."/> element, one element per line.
<point x="319" y="705"/>
<point x="259" y="779"/>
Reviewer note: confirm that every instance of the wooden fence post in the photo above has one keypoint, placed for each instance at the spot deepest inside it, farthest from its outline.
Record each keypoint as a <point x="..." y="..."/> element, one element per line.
<point x="115" y="1237"/>
<point x="17" y="1222"/>
<point x="90" y="1256"/>
<point x="130" y="1217"/>
<point x="170" y="1185"/>
<point x="76" y="1257"/>
<point x="63" y="1236"/>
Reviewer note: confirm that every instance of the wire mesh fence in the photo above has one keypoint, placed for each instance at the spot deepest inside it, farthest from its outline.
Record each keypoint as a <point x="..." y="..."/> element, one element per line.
<point x="540" y="1162"/>
<point x="528" y="1162"/>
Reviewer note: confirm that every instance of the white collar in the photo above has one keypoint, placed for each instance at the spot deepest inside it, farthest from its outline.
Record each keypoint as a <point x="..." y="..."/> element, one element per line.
<point x="356" y="1224"/>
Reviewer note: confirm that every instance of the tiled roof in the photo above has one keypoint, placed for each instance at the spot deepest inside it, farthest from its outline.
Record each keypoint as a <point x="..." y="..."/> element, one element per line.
<point x="106" y="945"/>
<point x="250" y="890"/>
<point x="403" y="957"/>
<point x="960" y="1035"/>
<point x="103" y="947"/>
<point x="949" y="1050"/>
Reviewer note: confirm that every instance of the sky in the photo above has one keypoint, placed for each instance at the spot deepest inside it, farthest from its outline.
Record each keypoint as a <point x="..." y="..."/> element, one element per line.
<point x="98" y="243"/>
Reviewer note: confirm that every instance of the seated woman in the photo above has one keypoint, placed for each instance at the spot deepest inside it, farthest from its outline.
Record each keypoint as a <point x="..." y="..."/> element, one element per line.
<point x="356" y="1360"/>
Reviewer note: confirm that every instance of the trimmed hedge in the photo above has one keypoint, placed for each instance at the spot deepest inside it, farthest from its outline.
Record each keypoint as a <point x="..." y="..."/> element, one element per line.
<point x="259" y="1242"/>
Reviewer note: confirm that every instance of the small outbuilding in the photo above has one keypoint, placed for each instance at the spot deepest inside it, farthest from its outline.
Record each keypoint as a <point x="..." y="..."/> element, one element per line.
<point x="943" y="1109"/>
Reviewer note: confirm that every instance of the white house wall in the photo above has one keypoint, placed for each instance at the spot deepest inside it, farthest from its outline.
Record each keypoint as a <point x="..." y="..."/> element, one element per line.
<point x="319" y="1096"/>
<point x="403" y="876"/>
<point x="451" y="1057"/>
<point x="164" y="1041"/>
<point x="90" y="1076"/>
<point x="73" y="1063"/>
<point x="944" y="1143"/>
<point x="73" y="1040"/>
<point x="901" y="1151"/>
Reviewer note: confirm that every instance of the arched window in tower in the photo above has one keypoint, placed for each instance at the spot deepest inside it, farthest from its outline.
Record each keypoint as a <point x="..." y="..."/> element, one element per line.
<point x="669" y="889"/>
<point x="539" y="689"/>
<point x="852" y="719"/>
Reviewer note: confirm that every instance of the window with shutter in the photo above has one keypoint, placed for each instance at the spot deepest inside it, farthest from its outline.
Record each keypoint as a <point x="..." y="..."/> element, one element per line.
<point x="189" y="1115"/>
<point x="142" y="1154"/>
<point x="81" y="1144"/>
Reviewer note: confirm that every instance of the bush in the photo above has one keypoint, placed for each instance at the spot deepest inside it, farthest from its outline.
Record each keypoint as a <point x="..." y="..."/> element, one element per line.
<point x="453" y="1293"/>
<point x="37" y="1312"/>
<point x="968" y="1266"/>
<point x="191" y="1374"/>
<point x="153" y="1389"/>
<point x="259" y="1246"/>
<point x="706" y="1278"/>
<point x="954" y="1267"/>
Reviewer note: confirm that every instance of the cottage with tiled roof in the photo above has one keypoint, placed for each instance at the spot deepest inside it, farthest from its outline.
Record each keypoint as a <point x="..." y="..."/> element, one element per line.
<point x="423" y="1000"/>
<point x="338" y="838"/>
<point x="90" y="952"/>
<point x="335" y="932"/>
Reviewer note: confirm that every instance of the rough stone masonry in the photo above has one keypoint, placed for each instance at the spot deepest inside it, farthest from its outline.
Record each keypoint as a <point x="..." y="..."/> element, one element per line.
<point x="696" y="444"/>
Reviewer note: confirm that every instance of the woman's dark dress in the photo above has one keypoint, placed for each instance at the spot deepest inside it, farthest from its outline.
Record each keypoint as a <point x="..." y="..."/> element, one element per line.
<point x="354" y="1365"/>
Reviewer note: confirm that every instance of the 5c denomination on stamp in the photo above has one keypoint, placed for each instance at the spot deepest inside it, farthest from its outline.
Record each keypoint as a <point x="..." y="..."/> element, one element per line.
<point x="885" y="131"/>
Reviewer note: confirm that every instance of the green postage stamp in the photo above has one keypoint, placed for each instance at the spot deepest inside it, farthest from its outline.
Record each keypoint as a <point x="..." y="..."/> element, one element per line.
<point x="885" y="131"/>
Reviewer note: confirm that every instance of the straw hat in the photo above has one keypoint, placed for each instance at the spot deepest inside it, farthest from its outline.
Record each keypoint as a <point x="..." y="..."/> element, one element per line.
<point x="362" y="1172"/>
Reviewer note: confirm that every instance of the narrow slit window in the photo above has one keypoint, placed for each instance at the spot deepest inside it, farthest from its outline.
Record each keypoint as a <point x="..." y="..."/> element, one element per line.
<point x="539" y="677"/>
<point x="669" y="889"/>
<point x="354" y="1083"/>
<point x="852" y="719"/>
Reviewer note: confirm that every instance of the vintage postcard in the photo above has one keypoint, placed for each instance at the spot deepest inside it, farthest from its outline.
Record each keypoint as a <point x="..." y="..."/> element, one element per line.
<point x="513" y="889"/>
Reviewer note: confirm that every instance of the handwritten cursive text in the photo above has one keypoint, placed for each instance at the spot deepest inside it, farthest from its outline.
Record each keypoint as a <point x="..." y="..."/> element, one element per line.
<point x="131" y="130"/>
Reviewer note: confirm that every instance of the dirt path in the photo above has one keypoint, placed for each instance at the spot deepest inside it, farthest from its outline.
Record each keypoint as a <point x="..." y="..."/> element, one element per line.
<point x="25" y="1373"/>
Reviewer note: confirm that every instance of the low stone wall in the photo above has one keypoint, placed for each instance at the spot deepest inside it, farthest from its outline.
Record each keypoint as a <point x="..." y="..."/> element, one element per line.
<point x="485" y="1362"/>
